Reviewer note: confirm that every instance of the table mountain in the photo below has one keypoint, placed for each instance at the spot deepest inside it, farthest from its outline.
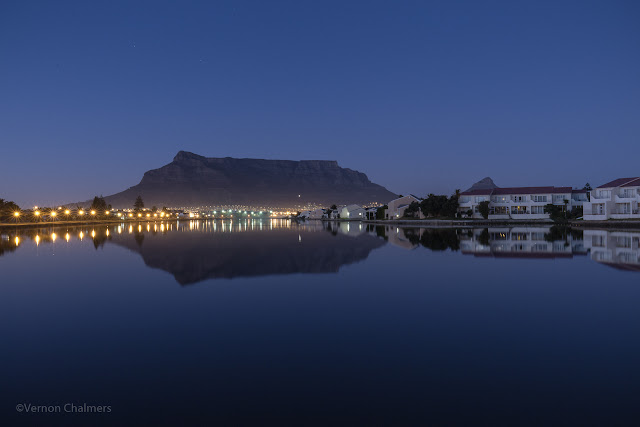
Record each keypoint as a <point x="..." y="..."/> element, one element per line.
<point x="193" y="180"/>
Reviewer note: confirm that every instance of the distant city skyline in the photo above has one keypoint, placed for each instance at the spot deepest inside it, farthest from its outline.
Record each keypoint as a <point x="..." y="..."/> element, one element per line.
<point x="423" y="97"/>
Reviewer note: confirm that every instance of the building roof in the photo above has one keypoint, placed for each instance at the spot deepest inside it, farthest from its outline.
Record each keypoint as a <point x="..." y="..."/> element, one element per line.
<point x="634" y="183"/>
<point x="582" y="190"/>
<point x="481" y="192"/>
<point x="620" y="182"/>
<point x="352" y="207"/>
<point x="407" y="195"/>
<point x="531" y="190"/>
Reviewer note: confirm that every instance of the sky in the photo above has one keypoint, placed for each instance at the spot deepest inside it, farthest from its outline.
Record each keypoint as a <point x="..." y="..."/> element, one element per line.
<point x="422" y="96"/>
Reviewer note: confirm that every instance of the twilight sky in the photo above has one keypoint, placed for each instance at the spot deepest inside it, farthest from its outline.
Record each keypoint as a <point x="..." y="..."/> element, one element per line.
<point x="423" y="96"/>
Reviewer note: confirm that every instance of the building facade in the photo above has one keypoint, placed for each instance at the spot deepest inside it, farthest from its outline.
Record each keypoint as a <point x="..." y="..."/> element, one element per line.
<point x="520" y="202"/>
<point x="396" y="207"/>
<point x="352" y="212"/>
<point x="618" y="199"/>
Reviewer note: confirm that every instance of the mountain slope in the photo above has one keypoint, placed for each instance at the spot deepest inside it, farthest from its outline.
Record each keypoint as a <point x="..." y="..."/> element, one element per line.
<point x="193" y="180"/>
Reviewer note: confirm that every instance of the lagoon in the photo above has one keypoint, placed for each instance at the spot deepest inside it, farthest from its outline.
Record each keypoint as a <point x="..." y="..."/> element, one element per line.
<point x="273" y="321"/>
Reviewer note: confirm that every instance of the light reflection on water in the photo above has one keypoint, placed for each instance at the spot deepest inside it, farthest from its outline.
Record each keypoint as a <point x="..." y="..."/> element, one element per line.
<point x="353" y="323"/>
<point x="618" y="249"/>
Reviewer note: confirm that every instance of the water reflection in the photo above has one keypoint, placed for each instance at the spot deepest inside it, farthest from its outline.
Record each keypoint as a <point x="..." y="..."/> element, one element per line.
<point x="193" y="251"/>
<point x="618" y="249"/>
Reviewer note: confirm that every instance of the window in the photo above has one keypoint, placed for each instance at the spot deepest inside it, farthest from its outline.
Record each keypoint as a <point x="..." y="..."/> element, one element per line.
<point x="537" y="210"/>
<point x="538" y="198"/>
<point x="518" y="210"/>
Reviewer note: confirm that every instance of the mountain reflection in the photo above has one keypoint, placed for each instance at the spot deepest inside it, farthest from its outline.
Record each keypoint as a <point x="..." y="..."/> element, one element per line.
<point x="204" y="250"/>
<point x="194" y="251"/>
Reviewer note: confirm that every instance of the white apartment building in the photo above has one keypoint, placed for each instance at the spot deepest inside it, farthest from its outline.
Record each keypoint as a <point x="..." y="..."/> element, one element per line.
<point x="618" y="199"/>
<point x="352" y="212"/>
<point x="396" y="207"/>
<point x="520" y="202"/>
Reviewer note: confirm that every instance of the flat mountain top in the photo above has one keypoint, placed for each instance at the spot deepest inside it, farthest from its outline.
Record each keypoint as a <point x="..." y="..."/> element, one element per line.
<point x="194" y="180"/>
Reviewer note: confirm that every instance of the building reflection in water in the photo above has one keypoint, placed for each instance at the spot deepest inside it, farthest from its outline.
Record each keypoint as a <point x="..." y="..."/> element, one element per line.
<point x="197" y="250"/>
<point x="618" y="249"/>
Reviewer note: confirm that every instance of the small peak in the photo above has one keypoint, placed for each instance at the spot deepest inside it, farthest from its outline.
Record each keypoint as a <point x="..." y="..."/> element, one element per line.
<point x="484" y="184"/>
<point x="186" y="155"/>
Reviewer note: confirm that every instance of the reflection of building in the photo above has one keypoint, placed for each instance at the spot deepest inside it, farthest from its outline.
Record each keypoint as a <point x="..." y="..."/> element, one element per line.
<point x="521" y="242"/>
<point x="617" y="199"/>
<point x="520" y="202"/>
<point x="619" y="249"/>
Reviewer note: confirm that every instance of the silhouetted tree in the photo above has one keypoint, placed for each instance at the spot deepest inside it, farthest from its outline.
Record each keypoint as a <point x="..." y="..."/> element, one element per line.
<point x="483" y="208"/>
<point x="99" y="204"/>
<point x="139" y="204"/>
<point x="412" y="210"/>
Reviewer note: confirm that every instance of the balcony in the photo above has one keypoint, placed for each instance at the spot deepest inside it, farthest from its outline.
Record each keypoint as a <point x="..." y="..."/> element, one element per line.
<point x="626" y="197"/>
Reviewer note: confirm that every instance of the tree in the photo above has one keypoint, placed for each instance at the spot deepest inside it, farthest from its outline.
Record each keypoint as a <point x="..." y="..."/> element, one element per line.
<point x="333" y="207"/>
<point x="99" y="204"/>
<point x="380" y="212"/>
<point x="483" y="208"/>
<point x="154" y="209"/>
<point x="555" y="212"/>
<point x="587" y="188"/>
<point x="412" y="210"/>
<point x="139" y="204"/>
<point x="7" y="209"/>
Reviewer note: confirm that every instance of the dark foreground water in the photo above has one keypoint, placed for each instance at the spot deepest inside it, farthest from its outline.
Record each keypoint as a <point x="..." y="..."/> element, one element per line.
<point x="272" y="323"/>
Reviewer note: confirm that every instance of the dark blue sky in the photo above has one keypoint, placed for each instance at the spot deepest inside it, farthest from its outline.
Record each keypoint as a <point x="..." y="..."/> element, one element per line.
<point x="423" y="96"/>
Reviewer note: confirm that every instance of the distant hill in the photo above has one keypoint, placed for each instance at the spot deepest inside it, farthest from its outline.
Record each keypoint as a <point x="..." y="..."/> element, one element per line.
<point x="484" y="184"/>
<point x="193" y="180"/>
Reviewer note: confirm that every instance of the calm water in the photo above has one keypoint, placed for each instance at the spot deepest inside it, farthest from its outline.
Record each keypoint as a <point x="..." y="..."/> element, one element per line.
<point x="320" y="324"/>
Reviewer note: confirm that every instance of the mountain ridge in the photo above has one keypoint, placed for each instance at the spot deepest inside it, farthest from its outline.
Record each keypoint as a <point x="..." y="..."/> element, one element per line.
<point x="194" y="180"/>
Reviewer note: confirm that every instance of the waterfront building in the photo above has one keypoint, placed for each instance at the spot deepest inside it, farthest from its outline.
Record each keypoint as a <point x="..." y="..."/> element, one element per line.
<point x="618" y="199"/>
<point x="526" y="203"/>
<point x="352" y="212"/>
<point x="396" y="207"/>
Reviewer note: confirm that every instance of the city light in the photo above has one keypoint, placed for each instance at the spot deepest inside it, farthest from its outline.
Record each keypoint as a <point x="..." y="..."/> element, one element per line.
<point x="80" y="212"/>
<point x="37" y="213"/>
<point x="93" y="212"/>
<point x="53" y="213"/>
<point x="67" y="212"/>
<point x="16" y="214"/>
